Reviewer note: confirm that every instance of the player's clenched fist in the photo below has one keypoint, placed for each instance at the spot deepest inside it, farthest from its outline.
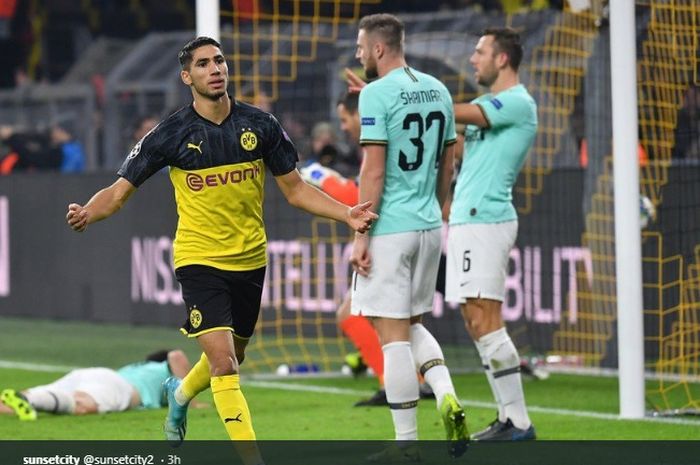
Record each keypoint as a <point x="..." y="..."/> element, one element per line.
<point x="77" y="217"/>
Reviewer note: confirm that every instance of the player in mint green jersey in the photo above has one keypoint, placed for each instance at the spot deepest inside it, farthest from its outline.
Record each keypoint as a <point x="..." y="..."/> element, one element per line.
<point x="99" y="390"/>
<point x="407" y="135"/>
<point x="501" y="128"/>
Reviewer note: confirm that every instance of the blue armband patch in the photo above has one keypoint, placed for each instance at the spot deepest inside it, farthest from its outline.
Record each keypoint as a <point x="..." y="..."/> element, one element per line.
<point x="367" y="121"/>
<point x="496" y="103"/>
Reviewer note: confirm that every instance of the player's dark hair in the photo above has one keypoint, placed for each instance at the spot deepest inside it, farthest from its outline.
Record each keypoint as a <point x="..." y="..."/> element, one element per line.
<point x="388" y="27"/>
<point x="507" y="41"/>
<point x="185" y="55"/>
<point x="158" y="356"/>
<point x="350" y="100"/>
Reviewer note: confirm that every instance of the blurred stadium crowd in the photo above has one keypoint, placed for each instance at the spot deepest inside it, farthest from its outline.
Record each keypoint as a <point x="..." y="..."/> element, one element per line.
<point x="42" y="41"/>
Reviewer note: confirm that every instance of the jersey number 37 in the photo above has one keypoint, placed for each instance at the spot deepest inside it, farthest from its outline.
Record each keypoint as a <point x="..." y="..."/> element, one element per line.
<point x="414" y="122"/>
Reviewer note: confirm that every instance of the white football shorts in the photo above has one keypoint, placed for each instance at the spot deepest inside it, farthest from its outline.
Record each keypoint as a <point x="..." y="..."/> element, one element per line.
<point x="111" y="392"/>
<point x="401" y="282"/>
<point x="477" y="260"/>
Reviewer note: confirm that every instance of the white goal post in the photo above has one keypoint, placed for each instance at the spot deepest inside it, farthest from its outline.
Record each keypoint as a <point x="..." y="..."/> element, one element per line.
<point x="628" y="244"/>
<point x="207" y="13"/>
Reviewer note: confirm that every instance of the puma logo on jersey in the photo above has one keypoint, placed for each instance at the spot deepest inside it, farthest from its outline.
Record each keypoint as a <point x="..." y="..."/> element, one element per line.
<point x="238" y="418"/>
<point x="198" y="147"/>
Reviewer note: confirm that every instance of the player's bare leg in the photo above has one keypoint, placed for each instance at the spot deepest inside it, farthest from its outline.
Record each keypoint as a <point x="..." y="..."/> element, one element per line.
<point x="239" y="345"/>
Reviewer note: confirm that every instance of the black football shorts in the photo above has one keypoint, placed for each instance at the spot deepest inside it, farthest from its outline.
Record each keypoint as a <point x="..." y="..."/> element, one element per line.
<point x="220" y="300"/>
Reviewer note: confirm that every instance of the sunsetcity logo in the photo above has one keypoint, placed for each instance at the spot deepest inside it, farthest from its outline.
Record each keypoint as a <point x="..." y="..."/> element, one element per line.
<point x="196" y="182"/>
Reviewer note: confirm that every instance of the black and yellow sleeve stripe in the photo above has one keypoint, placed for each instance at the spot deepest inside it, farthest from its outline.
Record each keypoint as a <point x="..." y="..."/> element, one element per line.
<point x="372" y="142"/>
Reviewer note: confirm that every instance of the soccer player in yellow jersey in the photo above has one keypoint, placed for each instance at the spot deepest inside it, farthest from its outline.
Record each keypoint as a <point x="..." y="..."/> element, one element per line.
<point x="217" y="150"/>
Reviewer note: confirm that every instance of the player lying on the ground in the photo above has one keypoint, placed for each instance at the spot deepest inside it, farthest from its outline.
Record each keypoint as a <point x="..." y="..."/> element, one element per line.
<point x="99" y="390"/>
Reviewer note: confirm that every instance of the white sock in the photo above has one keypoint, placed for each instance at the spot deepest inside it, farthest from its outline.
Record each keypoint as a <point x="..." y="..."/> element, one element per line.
<point x="489" y="376"/>
<point x="431" y="362"/>
<point x="504" y="363"/>
<point x="401" y="386"/>
<point x="180" y="397"/>
<point x="53" y="401"/>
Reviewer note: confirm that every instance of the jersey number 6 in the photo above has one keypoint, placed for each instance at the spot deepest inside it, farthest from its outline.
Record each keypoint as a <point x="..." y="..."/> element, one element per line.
<point x="466" y="261"/>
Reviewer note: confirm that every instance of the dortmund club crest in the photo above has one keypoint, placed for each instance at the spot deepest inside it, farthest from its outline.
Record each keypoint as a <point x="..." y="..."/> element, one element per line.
<point x="195" y="318"/>
<point x="249" y="141"/>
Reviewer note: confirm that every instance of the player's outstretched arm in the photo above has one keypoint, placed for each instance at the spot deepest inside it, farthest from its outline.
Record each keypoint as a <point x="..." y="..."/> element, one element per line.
<point x="102" y="205"/>
<point x="304" y="196"/>
<point x="470" y="113"/>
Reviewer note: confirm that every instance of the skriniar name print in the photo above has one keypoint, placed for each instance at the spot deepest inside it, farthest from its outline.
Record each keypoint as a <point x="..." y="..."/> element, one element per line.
<point x="420" y="96"/>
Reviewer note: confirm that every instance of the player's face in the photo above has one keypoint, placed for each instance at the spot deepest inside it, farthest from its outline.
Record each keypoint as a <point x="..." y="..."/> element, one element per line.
<point x="349" y="123"/>
<point x="208" y="73"/>
<point x="484" y="62"/>
<point x="365" y="54"/>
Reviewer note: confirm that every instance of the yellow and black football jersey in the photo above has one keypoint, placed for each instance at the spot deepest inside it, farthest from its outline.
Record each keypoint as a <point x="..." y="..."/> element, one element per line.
<point x="218" y="172"/>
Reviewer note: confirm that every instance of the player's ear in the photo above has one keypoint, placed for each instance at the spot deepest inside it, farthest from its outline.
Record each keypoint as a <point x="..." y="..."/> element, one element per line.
<point x="185" y="76"/>
<point x="378" y="49"/>
<point x="502" y="60"/>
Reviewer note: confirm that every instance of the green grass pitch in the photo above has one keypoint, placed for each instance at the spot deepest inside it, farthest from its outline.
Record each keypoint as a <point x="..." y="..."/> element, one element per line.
<point x="563" y="407"/>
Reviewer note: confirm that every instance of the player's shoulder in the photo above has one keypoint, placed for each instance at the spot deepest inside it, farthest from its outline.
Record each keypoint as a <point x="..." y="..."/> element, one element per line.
<point x="251" y="111"/>
<point x="245" y="108"/>
<point x="518" y="93"/>
<point x="254" y="115"/>
<point x="171" y="124"/>
<point x="428" y="78"/>
<point x="376" y="87"/>
<point x="385" y="89"/>
<point x="376" y="94"/>
<point x="431" y="82"/>
<point x="515" y="98"/>
<point x="162" y="133"/>
<point x="521" y="99"/>
<point x="180" y="116"/>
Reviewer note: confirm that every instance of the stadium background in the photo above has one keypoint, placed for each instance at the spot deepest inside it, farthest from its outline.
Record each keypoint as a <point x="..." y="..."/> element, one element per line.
<point x="96" y="69"/>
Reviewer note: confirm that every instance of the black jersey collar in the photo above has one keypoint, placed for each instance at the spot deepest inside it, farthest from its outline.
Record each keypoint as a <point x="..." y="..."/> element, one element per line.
<point x="208" y="121"/>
